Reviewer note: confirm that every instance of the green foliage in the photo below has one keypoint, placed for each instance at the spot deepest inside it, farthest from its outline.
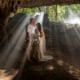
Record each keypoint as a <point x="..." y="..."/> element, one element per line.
<point x="52" y="12"/>
<point x="55" y="12"/>
<point x="27" y="10"/>
<point x="62" y="11"/>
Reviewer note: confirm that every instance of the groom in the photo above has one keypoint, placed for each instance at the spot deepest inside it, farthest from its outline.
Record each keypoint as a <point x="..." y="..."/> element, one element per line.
<point x="30" y="32"/>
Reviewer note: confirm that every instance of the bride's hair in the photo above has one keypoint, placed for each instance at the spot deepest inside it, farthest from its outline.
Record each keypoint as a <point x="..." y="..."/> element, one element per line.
<point x="39" y="27"/>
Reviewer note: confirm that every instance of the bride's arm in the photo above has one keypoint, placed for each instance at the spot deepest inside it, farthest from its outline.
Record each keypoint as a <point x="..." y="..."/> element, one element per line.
<point x="42" y="32"/>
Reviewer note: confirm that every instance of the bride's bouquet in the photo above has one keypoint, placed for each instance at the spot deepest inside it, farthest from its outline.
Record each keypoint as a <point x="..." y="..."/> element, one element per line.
<point x="36" y="39"/>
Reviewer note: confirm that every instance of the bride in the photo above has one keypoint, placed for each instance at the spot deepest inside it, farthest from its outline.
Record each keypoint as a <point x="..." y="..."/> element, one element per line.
<point x="42" y="44"/>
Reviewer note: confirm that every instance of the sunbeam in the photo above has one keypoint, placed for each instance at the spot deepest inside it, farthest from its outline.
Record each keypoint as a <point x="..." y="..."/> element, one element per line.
<point x="12" y="49"/>
<point x="73" y="18"/>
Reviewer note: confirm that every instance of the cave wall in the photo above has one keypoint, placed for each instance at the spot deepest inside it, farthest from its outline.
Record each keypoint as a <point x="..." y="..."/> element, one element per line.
<point x="6" y="7"/>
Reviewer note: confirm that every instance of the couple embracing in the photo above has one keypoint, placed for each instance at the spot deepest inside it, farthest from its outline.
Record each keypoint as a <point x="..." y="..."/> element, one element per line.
<point x="35" y="32"/>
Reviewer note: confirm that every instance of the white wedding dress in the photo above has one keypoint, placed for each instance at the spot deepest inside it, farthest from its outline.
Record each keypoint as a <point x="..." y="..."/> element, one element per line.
<point x="42" y="46"/>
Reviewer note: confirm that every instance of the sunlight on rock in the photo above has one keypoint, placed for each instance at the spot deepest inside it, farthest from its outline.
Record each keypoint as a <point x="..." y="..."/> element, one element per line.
<point x="8" y="75"/>
<point x="74" y="71"/>
<point x="60" y="62"/>
<point x="50" y="67"/>
<point x="71" y="71"/>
